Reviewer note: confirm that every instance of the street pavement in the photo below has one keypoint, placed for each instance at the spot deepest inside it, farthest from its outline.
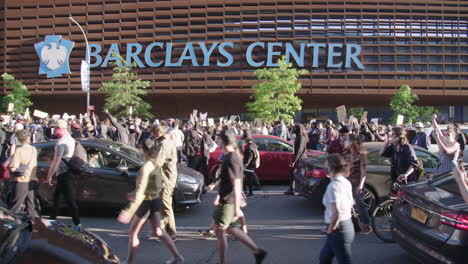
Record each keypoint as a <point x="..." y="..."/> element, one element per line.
<point x="288" y="227"/>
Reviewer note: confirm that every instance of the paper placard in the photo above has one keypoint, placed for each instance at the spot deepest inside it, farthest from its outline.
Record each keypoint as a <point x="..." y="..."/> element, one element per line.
<point x="65" y="116"/>
<point x="27" y="115"/>
<point x="73" y="117"/>
<point x="400" y="120"/>
<point x="6" y="119"/>
<point x="203" y="116"/>
<point x="341" y="113"/>
<point x="375" y="121"/>
<point x="40" y="114"/>
<point x="194" y="112"/>
<point x="232" y="118"/>
<point x="313" y="121"/>
<point x="11" y="106"/>
<point x="221" y="119"/>
<point x="130" y="110"/>
<point x="210" y="121"/>
<point x="56" y="117"/>
<point x="85" y="76"/>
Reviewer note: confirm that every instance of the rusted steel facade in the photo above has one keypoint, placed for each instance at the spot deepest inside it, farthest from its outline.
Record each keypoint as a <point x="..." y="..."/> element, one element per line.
<point x="422" y="43"/>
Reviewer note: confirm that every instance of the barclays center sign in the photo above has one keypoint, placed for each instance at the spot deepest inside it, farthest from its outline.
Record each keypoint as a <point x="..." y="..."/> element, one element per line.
<point x="54" y="53"/>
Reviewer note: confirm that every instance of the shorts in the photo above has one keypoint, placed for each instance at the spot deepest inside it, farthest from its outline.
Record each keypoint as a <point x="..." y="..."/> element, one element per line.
<point x="223" y="215"/>
<point x="151" y="206"/>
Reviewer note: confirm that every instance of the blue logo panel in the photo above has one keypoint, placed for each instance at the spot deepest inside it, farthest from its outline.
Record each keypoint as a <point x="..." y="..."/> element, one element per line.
<point x="53" y="54"/>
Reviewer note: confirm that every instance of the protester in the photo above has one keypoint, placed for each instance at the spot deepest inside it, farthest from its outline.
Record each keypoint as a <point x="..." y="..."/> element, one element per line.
<point x="404" y="164"/>
<point x="338" y="202"/>
<point x="449" y="148"/>
<point x="66" y="179"/>
<point x="341" y="143"/>
<point x="122" y="132"/>
<point x="192" y="145"/>
<point x="23" y="167"/>
<point x="365" y="134"/>
<point x="299" y="152"/>
<point x="147" y="198"/>
<point x="165" y="160"/>
<point x="207" y="146"/>
<point x="421" y="137"/>
<point x="356" y="156"/>
<point x="250" y="162"/>
<point x="461" y="139"/>
<point x="229" y="210"/>
<point x="178" y="137"/>
<point x="381" y="134"/>
<point x="330" y="132"/>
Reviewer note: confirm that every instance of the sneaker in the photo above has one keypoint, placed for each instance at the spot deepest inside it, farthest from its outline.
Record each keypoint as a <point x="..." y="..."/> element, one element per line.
<point x="207" y="233"/>
<point x="176" y="260"/>
<point x="260" y="256"/>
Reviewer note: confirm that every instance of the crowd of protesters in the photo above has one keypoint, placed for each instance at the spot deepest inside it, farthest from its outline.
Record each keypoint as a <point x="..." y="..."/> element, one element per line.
<point x="168" y="142"/>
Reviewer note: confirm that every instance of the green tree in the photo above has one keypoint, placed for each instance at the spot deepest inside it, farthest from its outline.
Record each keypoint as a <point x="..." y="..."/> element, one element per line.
<point x="402" y="104"/>
<point x="124" y="90"/>
<point x="19" y="95"/>
<point x="275" y="97"/>
<point x="425" y="112"/>
<point x="357" y="112"/>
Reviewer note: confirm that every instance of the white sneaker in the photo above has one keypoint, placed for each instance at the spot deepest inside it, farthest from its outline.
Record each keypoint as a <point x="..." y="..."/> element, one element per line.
<point x="176" y="260"/>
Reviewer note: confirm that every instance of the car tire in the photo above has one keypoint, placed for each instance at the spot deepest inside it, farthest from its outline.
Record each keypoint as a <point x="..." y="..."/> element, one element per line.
<point x="369" y="197"/>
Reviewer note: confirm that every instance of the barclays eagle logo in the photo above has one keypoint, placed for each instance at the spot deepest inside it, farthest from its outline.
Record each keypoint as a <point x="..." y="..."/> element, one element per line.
<point x="53" y="54"/>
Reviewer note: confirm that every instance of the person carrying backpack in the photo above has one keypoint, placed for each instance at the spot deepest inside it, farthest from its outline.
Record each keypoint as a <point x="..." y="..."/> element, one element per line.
<point x="62" y="167"/>
<point x="251" y="162"/>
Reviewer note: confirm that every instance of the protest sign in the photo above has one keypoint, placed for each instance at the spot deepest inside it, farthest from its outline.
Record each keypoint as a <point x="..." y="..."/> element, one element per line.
<point x="6" y="119"/>
<point x="194" y="112"/>
<point x="341" y="113"/>
<point x="11" y="106"/>
<point x="130" y="110"/>
<point x="232" y="118"/>
<point x="73" y="117"/>
<point x="210" y="121"/>
<point x="65" y="116"/>
<point x="40" y="114"/>
<point x="203" y="116"/>
<point x="221" y="119"/>
<point x="400" y="120"/>
<point x="56" y="117"/>
<point x="27" y="115"/>
<point x="364" y="117"/>
<point x="375" y="121"/>
<point x="313" y="121"/>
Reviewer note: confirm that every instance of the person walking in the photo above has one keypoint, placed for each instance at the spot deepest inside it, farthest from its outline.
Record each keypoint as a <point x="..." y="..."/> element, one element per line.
<point x="147" y="199"/>
<point x="449" y="149"/>
<point x="250" y="162"/>
<point x="300" y="144"/>
<point x="165" y="160"/>
<point x="24" y="166"/>
<point x="356" y="156"/>
<point x="229" y="207"/>
<point x="420" y="139"/>
<point x="66" y="179"/>
<point x="178" y="137"/>
<point x="404" y="163"/>
<point x="338" y="202"/>
<point x="192" y="145"/>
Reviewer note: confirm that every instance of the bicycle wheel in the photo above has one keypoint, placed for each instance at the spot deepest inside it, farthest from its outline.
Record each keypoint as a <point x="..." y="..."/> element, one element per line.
<point x="381" y="220"/>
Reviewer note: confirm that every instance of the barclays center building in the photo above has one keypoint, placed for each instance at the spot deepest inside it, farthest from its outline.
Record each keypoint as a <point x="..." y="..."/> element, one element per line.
<point x="203" y="54"/>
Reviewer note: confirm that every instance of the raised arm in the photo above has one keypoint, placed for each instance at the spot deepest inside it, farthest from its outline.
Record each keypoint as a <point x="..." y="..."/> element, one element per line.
<point x="439" y="138"/>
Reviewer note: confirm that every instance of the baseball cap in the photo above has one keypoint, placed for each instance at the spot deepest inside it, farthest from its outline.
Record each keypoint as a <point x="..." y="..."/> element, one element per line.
<point x="418" y="125"/>
<point x="19" y="126"/>
<point x="62" y="123"/>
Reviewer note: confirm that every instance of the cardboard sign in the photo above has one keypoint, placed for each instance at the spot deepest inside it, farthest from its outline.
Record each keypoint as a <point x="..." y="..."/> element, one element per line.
<point x="341" y="113"/>
<point x="27" y="115"/>
<point x="313" y="121"/>
<point x="130" y="110"/>
<point x="375" y="121"/>
<point x="364" y="117"/>
<point x="56" y="117"/>
<point x="194" y="112"/>
<point x="232" y="118"/>
<point x="6" y="119"/>
<point x="65" y="116"/>
<point x="40" y="114"/>
<point x="400" y="120"/>
<point x="221" y="119"/>
<point x="73" y="117"/>
<point x="203" y="116"/>
<point x="210" y="121"/>
<point x="11" y="106"/>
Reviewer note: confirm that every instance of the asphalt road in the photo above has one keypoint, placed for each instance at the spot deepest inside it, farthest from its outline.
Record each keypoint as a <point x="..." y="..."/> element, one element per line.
<point x="288" y="227"/>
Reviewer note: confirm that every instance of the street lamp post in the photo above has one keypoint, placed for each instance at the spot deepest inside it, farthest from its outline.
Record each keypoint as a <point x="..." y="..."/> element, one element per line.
<point x="87" y="62"/>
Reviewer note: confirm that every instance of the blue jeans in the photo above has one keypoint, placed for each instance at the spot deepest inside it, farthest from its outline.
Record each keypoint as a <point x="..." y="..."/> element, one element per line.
<point x="338" y="244"/>
<point x="360" y="206"/>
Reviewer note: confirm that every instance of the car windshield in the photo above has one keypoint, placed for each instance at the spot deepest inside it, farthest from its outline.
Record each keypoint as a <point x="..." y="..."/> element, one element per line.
<point x="131" y="151"/>
<point x="446" y="182"/>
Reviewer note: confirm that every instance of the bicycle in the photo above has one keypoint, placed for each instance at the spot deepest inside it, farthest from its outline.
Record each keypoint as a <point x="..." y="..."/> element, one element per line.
<point x="381" y="217"/>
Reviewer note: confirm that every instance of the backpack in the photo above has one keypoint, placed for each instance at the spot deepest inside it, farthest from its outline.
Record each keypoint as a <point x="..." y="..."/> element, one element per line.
<point x="79" y="161"/>
<point x="4" y="172"/>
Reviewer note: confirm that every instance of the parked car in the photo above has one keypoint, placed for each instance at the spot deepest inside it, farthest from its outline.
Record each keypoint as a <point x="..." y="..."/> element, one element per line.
<point x="430" y="221"/>
<point x="275" y="156"/>
<point x="34" y="240"/>
<point x="311" y="175"/>
<point x="108" y="185"/>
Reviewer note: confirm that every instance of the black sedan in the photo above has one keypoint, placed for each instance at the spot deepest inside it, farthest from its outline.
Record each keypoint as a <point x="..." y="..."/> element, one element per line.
<point x="311" y="175"/>
<point x="430" y="221"/>
<point x="113" y="176"/>
<point x="26" y="240"/>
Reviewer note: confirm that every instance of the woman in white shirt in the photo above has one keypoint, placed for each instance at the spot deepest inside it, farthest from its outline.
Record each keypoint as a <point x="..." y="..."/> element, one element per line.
<point x="338" y="202"/>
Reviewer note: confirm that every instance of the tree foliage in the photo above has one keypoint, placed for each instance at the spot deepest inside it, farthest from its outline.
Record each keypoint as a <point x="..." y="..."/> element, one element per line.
<point x="425" y="113"/>
<point x="357" y="112"/>
<point x="124" y="90"/>
<point x="402" y="104"/>
<point x="19" y="95"/>
<point x="275" y="97"/>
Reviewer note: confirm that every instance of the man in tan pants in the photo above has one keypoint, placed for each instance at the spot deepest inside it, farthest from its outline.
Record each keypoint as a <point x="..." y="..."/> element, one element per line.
<point x="165" y="157"/>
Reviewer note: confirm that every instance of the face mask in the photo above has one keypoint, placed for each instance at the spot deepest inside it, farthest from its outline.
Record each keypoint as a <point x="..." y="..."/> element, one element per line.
<point x="59" y="132"/>
<point x="347" y="143"/>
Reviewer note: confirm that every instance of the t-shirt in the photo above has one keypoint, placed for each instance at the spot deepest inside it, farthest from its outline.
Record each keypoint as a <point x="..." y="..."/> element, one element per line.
<point x="231" y="168"/>
<point x="339" y="189"/>
<point x="65" y="148"/>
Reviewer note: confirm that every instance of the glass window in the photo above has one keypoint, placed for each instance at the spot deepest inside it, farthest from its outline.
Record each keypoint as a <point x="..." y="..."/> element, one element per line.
<point x="261" y="143"/>
<point x="45" y="154"/>
<point x="109" y="160"/>
<point x="403" y="49"/>
<point x="403" y="68"/>
<point x="447" y="183"/>
<point x="451" y="68"/>
<point x="419" y="68"/>
<point x="419" y="49"/>
<point x="386" y="58"/>
<point x="370" y="58"/>
<point x="429" y="161"/>
<point x="435" y="58"/>
<point x="419" y="58"/>
<point x="277" y="145"/>
<point x="131" y="151"/>
<point x="435" y="50"/>
<point x="435" y="68"/>
<point x="401" y="58"/>
<point x="387" y="50"/>
<point x="374" y="159"/>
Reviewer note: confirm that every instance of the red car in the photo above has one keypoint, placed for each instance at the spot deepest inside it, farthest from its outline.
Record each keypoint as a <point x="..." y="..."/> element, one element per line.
<point x="275" y="156"/>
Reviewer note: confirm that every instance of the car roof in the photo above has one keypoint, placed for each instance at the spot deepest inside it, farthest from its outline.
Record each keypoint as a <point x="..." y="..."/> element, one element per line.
<point x="373" y="146"/>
